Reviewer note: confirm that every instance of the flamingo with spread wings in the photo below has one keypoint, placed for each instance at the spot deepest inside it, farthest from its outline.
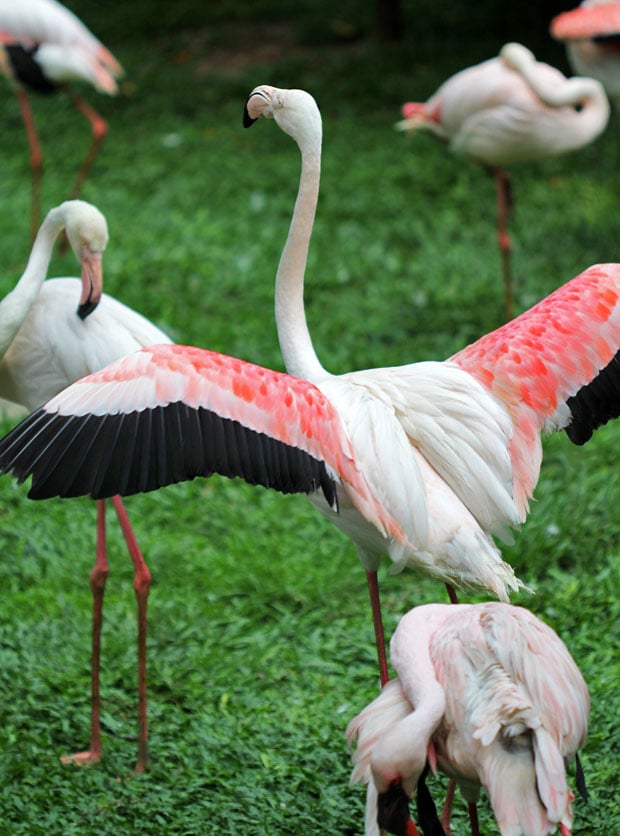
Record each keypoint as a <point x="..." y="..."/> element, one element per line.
<point x="43" y="46"/>
<point x="511" y="109"/>
<point x="440" y="455"/>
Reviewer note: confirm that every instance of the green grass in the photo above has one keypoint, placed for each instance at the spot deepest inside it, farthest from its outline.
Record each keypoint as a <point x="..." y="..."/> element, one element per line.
<point x="260" y="641"/>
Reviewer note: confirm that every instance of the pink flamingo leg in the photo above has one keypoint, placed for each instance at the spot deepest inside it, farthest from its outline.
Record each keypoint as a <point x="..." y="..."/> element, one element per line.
<point x="504" y="207"/>
<point x="142" y="582"/>
<point x="98" y="578"/>
<point x="375" y="603"/>
<point x="446" y="813"/>
<point x="99" y="129"/>
<point x="36" y="161"/>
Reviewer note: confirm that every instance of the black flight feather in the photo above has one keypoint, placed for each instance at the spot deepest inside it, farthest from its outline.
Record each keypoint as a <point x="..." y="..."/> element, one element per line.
<point x="595" y="404"/>
<point x="137" y="452"/>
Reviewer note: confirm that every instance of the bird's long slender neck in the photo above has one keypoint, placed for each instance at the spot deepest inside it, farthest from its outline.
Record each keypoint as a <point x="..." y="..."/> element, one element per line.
<point x="299" y="355"/>
<point x="589" y="104"/>
<point x="16" y="304"/>
<point x="403" y="749"/>
<point x="585" y="95"/>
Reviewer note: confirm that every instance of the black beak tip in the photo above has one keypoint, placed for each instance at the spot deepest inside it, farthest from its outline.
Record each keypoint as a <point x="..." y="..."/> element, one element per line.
<point x="247" y="119"/>
<point x="393" y="809"/>
<point x="86" y="309"/>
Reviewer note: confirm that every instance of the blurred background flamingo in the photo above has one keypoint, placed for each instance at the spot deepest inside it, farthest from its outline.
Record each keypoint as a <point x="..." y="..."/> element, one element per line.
<point x="591" y="33"/>
<point x="43" y="46"/>
<point x="511" y="109"/>
<point x="499" y="703"/>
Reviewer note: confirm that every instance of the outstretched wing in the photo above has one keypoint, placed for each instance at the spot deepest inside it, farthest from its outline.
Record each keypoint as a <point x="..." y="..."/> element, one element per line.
<point x="170" y="413"/>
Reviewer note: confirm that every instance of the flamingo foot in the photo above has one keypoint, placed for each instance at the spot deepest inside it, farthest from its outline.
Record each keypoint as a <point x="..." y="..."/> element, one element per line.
<point x="86" y="758"/>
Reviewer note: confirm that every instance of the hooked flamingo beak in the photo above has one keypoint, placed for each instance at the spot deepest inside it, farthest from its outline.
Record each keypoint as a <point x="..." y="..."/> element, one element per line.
<point x="92" y="281"/>
<point x="393" y="812"/>
<point x="254" y="110"/>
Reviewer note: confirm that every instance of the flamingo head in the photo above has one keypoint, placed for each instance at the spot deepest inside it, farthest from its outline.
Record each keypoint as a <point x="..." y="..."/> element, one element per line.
<point x="393" y="811"/>
<point x="295" y="111"/>
<point x="87" y="232"/>
<point x="415" y="115"/>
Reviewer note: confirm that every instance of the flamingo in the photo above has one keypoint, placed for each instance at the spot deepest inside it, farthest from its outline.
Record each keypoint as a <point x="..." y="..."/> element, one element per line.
<point x="440" y="455"/>
<point x="511" y="109"/>
<point x="44" y="46"/>
<point x="591" y="33"/>
<point x="490" y="695"/>
<point x="45" y="346"/>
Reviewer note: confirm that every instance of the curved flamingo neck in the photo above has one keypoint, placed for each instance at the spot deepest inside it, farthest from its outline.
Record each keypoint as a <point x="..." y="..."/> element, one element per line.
<point x="298" y="352"/>
<point x="572" y="92"/>
<point x="16" y="304"/>
<point x="403" y="749"/>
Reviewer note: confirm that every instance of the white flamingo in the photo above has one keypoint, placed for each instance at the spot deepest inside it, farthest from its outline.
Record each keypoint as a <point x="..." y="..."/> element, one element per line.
<point x="44" y="46"/>
<point x="490" y="695"/>
<point x="511" y="109"/>
<point x="45" y="344"/>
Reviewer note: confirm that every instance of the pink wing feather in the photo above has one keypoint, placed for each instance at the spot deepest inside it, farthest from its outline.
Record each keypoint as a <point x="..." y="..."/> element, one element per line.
<point x="541" y="364"/>
<point x="169" y="413"/>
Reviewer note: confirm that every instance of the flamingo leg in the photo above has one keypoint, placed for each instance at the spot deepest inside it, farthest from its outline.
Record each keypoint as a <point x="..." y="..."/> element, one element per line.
<point x="99" y="130"/>
<point x="472" y="809"/>
<point x="36" y="161"/>
<point x="504" y="208"/>
<point x="446" y="813"/>
<point x="98" y="577"/>
<point x="142" y="582"/>
<point x="375" y="603"/>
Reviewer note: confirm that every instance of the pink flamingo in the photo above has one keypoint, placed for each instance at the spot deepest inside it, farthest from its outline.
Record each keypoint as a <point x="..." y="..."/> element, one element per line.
<point x="511" y="109"/>
<point x="441" y="455"/>
<point x="490" y="695"/>
<point x="45" y="346"/>
<point x="44" y="46"/>
<point x="591" y="33"/>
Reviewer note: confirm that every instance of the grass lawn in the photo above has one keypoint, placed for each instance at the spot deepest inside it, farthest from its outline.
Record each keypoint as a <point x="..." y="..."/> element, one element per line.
<point x="260" y="643"/>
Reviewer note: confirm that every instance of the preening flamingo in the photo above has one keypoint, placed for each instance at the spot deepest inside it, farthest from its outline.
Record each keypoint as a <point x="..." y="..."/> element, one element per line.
<point x="44" y="346"/>
<point x="511" y="109"/>
<point x="591" y="33"/>
<point x="490" y="695"/>
<point x="44" y="46"/>
<point x="439" y="456"/>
